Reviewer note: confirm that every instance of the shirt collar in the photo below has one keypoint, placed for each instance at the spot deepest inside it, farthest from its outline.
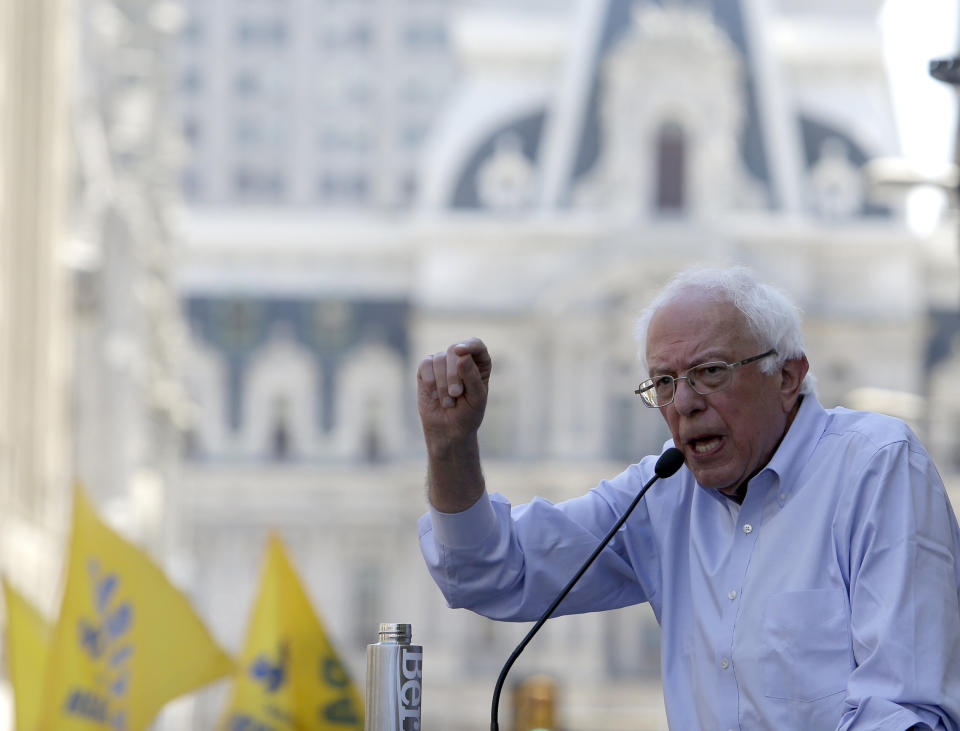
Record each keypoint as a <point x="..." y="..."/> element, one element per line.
<point x="798" y="443"/>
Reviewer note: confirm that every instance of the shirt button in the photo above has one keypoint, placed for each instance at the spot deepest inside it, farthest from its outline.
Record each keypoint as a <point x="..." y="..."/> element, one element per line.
<point x="732" y="594"/>
<point x="724" y="663"/>
<point x="783" y="496"/>
<point x="747" y="528"/>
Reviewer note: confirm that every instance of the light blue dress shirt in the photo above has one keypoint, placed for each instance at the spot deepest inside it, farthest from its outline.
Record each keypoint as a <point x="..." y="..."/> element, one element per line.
<point x="830" y="599"/>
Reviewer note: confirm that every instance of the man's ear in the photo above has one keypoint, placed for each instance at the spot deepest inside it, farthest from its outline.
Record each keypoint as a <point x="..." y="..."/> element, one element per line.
<point x="792" y="374"/>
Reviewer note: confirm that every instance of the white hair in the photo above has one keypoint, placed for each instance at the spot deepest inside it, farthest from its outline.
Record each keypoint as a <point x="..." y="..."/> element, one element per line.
<point x="770" y="316"/>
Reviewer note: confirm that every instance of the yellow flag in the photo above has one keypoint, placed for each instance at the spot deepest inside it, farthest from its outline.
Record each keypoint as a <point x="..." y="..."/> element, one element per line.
<point x="127" y="641"/>
<point x="28" y="641"/>
<point x="289" y="676"/>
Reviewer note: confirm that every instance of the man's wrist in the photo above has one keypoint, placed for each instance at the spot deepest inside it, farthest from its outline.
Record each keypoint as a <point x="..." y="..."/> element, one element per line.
<point x="454" y="477"/>
<point x="453" y="450"/>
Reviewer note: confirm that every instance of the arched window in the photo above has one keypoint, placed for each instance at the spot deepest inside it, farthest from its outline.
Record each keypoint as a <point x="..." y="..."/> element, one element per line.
<point x="372" y="442"/>
<point x="671" y="168"/>
<point x="280" y="436"/>
<point x="370" y="428"/>
<point x="280" y="399"/>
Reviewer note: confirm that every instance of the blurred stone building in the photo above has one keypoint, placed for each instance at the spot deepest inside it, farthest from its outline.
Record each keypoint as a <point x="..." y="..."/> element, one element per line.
<point x="368" y="182"/>
<point x="319" y="104"/>
<point x="579" y="159"/>
<point x="34" y="304"/>
<point x="90" y="326"/>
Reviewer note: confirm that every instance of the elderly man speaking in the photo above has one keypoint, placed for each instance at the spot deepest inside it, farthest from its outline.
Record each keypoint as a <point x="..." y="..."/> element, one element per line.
<point x="804" y="564"/>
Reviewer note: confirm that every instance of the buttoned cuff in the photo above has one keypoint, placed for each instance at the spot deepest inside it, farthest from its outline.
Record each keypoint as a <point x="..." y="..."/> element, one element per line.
<point x="465" y="529"/>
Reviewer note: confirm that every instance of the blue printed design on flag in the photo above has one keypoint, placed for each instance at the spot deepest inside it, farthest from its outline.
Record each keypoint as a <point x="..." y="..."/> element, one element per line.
<point x="106" y="639"/>
<point x="272" y="674"/>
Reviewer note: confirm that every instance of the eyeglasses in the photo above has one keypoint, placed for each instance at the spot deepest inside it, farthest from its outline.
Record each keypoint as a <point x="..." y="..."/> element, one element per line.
<point x="705" y="379"/>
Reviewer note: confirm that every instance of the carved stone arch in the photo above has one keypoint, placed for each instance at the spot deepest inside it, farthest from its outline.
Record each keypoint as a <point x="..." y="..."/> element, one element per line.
<point x="836" y="185"/>
<point x="280" y="399"/>
<point x="466" y="138"/>
<point x="692" y="74"/>
<point x="205" y="379"/>
<point x="836" y="182"/>
<point x="369" y="425"/>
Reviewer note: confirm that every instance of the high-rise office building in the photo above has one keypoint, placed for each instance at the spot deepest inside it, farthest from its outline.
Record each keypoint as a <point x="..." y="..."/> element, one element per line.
<point x="310" y="103"/>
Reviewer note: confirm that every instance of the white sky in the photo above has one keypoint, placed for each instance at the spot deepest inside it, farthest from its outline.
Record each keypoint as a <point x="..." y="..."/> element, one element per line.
<point x="916" y="31"/>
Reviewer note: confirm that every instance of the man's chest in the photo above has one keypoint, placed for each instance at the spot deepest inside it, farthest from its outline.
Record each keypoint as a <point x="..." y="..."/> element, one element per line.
<point x="756" y="614"/>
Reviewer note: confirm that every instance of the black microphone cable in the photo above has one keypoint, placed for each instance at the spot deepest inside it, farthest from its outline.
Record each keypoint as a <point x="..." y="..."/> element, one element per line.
<point x="668" y="463"/>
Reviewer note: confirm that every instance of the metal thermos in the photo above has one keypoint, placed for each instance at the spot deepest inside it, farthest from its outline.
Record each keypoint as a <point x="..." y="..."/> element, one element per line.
<point x="394" y="681"/>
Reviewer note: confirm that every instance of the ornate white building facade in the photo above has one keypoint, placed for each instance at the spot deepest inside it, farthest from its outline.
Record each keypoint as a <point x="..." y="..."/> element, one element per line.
<point x="34" y="298"/>
<point x="90" y="327"/>
<point x="584" y="157"/>
<point x="582" y="160"/>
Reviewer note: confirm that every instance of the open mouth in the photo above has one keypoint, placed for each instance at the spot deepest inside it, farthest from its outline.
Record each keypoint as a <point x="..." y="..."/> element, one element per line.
<point x="705" y="445"/>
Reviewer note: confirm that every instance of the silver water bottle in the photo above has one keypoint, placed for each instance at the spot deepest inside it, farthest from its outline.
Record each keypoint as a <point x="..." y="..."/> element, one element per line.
<point x="394" y="681"/>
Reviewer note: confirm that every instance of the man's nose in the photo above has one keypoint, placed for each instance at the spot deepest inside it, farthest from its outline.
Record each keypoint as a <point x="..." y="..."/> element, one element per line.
<point x="685" y="399"/>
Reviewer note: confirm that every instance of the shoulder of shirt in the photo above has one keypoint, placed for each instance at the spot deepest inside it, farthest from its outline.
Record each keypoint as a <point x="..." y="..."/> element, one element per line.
<point x="878" y="430"/>
<point x="671" y="490"/>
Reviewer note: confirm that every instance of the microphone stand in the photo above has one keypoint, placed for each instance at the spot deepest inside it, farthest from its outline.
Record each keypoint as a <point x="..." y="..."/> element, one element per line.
<point x="668" y="463"/>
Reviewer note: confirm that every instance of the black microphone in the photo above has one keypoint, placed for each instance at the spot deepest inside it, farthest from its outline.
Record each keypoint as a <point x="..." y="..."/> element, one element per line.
<point x="670" y="461"/>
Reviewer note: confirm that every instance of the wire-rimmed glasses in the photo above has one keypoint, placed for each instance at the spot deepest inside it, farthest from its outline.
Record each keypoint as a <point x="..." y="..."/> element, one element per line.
<point x="705" y="379"/>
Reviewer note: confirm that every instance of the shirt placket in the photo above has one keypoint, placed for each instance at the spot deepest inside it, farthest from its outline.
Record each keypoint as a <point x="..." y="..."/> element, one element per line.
<point x="746" y="533"/>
